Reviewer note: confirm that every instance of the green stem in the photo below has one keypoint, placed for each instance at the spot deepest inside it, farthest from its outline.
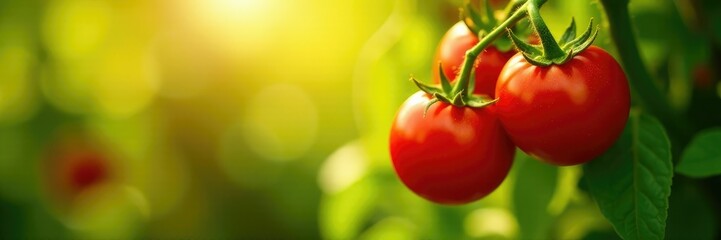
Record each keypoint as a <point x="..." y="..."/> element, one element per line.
<point x="640" y="80"/>
<point x="551" y="50"/>
<point x="472" y="54"/>
<point x="651" y="97"/>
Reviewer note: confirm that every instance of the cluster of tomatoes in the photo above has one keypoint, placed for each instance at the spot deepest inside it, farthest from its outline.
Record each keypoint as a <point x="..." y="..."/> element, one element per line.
<point x="562" y="114"/>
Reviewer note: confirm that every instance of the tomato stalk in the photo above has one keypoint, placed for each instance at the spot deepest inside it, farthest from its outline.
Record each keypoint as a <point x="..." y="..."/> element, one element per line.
<point x="625" y="39"/>
<point x="651" y="97"/>
<point x="551" y="49"/>
<point x="462" y="86"/>
<point x="460" y="93"/>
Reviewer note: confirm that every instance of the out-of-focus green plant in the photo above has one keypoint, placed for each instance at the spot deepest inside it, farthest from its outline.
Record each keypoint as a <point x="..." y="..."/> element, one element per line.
<point x="270" y="118"/>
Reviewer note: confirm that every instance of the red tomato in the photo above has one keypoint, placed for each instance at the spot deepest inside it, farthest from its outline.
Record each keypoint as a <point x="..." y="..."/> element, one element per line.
<point x="74" y="165"/>
<point x="451" y="52"/>
<point x="564" y="114"/>
<point x="452" y="155"/>
<point x="85" y="170"/>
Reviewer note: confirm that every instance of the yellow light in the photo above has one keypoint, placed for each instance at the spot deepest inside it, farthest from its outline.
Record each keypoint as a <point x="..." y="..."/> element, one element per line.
<point x="75" y="28"/>
<point x="486" y="222"/>
<point x="343" y="167"/>
<point x="126" y="81"/>
<point x="236" y="27"/>
<point x="17" y="98"/>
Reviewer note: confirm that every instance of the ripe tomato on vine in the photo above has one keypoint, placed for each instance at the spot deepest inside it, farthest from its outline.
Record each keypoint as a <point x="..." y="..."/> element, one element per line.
<point x="451" y="53"/>
<point x="449" y="154"/>
<point x="564" y="114"/>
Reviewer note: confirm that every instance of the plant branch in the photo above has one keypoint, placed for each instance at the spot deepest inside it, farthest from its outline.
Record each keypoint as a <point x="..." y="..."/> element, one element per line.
<point x="473" y="53"/>
<point x="651" y="97"/>
<point x="640" y="80"/>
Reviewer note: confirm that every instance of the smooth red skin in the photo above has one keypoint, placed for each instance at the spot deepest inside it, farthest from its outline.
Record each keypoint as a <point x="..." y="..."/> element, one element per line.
<point x="451" y="53"/>
<point x="453" y="155"/>
<point x="567" y="114"/>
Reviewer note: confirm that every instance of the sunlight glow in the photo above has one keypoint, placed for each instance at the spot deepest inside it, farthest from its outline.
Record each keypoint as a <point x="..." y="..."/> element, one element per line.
<point x="343" y="167"/>
<point x="486" y="222"/>
<point x="240" y="27"/>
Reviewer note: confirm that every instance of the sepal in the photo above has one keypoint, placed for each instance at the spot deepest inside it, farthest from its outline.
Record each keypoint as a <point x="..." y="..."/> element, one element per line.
<point x="445" y="83"/>
<point x="522" y="46"/>
<point x="583" y="38"/>
<point x="432" y="90"/>
<point x="458" y="100"/>
<point x="479" y="101"/>
<point x="569" y="34"/>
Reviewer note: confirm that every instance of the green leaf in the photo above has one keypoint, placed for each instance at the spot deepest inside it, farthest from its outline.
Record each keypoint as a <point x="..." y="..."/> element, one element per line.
<point x="391" y="228"/>
<point x="631" y="182"/>
<point x="534" y="188"/>
<point x="702" y="157"/>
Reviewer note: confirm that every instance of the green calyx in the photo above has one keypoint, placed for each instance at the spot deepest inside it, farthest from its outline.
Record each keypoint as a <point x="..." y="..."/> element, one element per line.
<point x="455" y="96"/>
<point x="552" y="52"/>
<point x="480" y="24"/>
<point x="460" y="92"/>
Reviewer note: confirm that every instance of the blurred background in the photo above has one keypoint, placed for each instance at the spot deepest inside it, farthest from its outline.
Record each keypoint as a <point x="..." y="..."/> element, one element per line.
<point x="268" y="119"/>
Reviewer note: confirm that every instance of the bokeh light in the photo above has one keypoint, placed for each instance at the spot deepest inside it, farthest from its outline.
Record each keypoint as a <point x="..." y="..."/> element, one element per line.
<point x="76" y="29"/>
<point x="18" y="98"/>
<point x="255" y="119"/>
<point x="281" y="122"/>
<point x="343" y="168"/>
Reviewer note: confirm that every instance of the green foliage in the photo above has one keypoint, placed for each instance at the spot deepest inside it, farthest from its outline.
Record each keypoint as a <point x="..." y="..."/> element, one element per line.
<point x="391" y="228"/>
<point x="343" y="215"/>
<point x="167" y="88"/>
<point x="689" y="202"/>
<point x="702" y="157"/>
<point x="532" y="193"/>
<point x="632" y="181"/>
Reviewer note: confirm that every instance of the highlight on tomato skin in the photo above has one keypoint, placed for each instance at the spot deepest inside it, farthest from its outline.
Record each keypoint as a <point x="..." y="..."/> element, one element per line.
<point x="565" y="114"/>
<point x="451" y="53"/>
<point x="449" y="155"/>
